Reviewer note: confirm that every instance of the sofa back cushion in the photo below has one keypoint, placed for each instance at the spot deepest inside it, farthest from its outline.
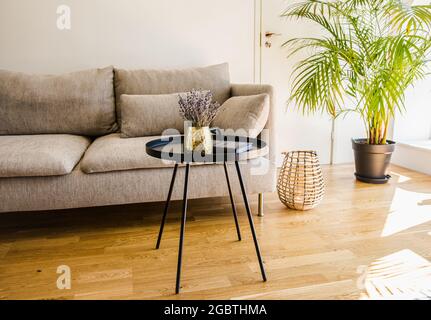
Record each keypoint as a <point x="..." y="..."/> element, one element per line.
<point x="140" y="82"/>
<point x="149" y="115"/>
<point x="80" y="103"/>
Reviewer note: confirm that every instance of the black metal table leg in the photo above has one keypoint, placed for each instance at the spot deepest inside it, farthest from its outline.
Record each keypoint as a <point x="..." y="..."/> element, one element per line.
<point x="250" y="220"/>
<point x="232" y="202"/>
<point x="183" y="225"/>
<point x="162" y="225"/>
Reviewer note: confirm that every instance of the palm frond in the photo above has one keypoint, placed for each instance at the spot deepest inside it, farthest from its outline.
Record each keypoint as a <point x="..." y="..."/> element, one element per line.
<point x="372" y="51"/>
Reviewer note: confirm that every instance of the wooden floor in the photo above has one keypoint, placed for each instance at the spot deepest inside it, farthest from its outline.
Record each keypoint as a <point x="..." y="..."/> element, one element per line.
<point x="319" y="254"/>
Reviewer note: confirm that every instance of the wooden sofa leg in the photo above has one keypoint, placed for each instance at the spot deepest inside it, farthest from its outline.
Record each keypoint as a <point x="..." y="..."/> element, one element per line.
<point x="260" y="212"/>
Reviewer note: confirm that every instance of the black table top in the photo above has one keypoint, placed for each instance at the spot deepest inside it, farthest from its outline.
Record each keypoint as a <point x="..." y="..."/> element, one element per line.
<point x="226" y="149"/>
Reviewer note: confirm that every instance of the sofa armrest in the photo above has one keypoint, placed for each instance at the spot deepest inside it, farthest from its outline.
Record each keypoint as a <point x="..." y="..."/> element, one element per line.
<point x="251" y="89"/>
<point x="269" y="133"/>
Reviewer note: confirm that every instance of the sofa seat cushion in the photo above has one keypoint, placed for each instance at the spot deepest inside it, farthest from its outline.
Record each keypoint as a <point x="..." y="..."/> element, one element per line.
<point x="113" y="153"/>
<point x="40" y="155"/>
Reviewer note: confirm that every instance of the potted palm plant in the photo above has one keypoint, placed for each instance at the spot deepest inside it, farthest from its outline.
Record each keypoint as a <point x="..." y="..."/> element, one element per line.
<point x="370" y="53"/>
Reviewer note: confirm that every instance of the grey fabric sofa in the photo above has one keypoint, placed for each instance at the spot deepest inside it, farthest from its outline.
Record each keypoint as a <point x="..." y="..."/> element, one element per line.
<point x="60" y="145"/>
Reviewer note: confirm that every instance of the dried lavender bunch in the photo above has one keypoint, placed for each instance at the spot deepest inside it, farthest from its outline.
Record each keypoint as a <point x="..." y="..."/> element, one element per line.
<point x="197" y="106"/>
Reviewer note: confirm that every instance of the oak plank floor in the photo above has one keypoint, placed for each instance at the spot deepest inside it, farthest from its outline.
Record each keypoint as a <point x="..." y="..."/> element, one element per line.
<point x="319" y="254"/>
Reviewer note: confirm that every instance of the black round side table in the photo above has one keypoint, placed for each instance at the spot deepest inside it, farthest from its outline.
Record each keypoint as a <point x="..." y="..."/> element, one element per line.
<point x="225" y="149"/>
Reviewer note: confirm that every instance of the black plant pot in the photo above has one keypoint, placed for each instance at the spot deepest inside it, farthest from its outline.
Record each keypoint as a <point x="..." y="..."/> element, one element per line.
<point x="372" y="161"/>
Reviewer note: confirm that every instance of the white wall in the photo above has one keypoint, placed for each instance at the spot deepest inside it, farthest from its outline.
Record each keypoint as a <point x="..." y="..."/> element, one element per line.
<point x="415" y="122"/>
<point x="413" y="128"/>
<point x="347" y="127"/>
<point x="129" y="34"/>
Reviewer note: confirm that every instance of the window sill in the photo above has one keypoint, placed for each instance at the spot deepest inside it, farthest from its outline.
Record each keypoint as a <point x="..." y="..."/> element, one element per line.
<point x="422" y="145"/>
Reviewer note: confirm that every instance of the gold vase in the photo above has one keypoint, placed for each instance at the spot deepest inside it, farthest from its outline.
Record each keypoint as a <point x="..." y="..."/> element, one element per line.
<point x="198" y="139"/>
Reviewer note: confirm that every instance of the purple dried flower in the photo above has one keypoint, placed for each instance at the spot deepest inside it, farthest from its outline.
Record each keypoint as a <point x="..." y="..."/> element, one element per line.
<point x="197" y="106"/>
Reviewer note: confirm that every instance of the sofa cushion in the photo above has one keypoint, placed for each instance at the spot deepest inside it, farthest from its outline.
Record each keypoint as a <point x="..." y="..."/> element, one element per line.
<point x="247" y="115"/>
<point x="79" y="103"/>
<point x="113" y="153"/>
<point x="40" y="155"/>
<point x="149" y="115"/>
<point x="214" y="78"/>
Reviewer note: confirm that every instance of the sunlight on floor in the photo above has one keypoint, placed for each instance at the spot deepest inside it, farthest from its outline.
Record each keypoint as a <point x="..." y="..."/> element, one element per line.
<point x="400" y="177"/>
<point x="408" y="209"/>
<point x="401" y="275"/>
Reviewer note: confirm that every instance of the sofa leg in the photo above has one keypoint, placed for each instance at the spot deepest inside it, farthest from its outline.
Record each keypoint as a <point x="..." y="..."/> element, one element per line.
<point x="260" y="212"/>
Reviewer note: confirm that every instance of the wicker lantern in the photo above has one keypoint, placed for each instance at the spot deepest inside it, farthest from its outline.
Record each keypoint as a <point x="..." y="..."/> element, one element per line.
<point x="300" y="184"/>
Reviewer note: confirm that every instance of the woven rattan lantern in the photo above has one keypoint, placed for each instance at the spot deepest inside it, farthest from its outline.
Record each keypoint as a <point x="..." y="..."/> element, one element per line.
<point x="300" y="184"/>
